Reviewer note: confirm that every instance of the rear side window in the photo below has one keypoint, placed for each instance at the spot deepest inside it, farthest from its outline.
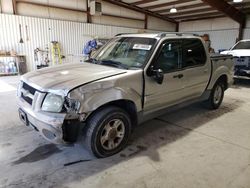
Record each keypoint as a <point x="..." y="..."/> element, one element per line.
<point x="193" y="53"/>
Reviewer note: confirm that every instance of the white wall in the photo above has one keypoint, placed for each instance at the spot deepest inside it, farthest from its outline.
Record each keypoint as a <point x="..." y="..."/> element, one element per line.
<point x="7" y="6"/>
<point x="53" y="13"/>
<point x="108" y="20"/>
<point x="223" y="31"/>
<point x="209" y="25"/>
<point x="247" y="29"/>
<point x="71" y="35"/>
<point x="112" y="14"/>
<point x="46" y="23"/>
<point x="158" y="24"/>
<point x="108" y="8"/>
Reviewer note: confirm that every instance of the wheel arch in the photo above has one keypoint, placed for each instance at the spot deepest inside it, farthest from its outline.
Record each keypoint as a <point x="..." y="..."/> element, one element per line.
<point x="223" y="79"/>
<point x="127" y="105"/>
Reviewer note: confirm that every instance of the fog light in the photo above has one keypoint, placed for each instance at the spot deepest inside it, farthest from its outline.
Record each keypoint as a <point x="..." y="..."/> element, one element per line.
<point x="48" y="134"/>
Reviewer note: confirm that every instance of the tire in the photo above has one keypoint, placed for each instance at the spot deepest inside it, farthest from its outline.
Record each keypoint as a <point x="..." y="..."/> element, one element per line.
<point x="107" y="131"/>
<point x="235" y="81"/>
<point x="216" y="96"/>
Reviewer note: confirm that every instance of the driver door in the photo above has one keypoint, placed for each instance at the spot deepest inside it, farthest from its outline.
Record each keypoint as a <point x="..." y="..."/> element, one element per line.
<point x="168" y="59"/>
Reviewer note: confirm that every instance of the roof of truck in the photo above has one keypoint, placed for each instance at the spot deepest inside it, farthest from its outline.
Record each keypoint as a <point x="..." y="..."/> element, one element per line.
<point x="158" y="35"/>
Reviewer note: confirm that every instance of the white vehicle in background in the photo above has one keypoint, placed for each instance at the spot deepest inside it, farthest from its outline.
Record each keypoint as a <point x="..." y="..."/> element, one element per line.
<point x="241" y="53"/>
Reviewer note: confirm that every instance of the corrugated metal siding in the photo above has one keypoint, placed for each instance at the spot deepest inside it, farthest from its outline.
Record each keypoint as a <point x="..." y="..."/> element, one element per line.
<point x="70" y="35"/>
<point x="163" y="25"/>
<point x="225" y="38"/>
<point x="223" y="31"/>
<point x="221" y="39"/>
<point x="209" y="25"/>
<point x="247" y="33"/>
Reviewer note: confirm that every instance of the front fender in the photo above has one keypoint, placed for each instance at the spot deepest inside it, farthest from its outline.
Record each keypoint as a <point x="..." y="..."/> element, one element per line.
<point x="92" y="100"/>
<point x="98" y="99"/>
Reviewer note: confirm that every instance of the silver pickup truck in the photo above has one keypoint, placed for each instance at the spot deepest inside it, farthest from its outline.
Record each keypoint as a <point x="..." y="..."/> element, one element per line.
<point x="131" y="79"/>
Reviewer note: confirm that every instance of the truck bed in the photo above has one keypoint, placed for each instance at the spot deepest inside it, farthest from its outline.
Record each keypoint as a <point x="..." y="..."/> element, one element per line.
<point x="218" y="56"/>
<point x="221" y="64"/>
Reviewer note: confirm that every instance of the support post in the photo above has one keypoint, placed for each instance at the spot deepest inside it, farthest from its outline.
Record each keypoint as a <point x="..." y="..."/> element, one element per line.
<point x="88" y="12"/>
<point x="241" y="29"/>
<point x="146" y="21"/>
<point x="228" y="9"/>
<point x="14" y="6"/>
<point x="177" y="27"/>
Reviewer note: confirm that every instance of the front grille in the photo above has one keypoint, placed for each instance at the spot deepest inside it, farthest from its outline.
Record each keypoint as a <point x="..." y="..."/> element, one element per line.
<point x="241" y="67"/>
<point x="27" y="99"/>
<point x="242" y="61"/>
<point x="27" y="93"/>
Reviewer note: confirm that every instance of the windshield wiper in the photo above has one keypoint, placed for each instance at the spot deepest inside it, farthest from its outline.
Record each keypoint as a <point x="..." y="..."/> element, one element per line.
<point x="91" y="60"/>
<point x="113" y="63"/>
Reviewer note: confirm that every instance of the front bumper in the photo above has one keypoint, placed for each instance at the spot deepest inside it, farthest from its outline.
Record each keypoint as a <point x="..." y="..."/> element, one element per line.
<point x="242" y="73"/>
<point x="49" y="125"/>
<point x="242" y="67"/>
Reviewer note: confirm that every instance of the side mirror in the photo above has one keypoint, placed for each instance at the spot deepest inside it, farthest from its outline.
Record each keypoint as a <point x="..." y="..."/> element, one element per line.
<point x="157" y="75"/>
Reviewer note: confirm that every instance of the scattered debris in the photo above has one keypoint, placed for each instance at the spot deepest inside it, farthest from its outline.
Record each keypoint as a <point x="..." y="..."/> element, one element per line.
<point x="75" y="162"/>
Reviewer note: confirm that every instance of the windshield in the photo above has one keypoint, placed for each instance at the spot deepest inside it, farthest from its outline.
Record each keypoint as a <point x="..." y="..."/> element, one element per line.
<point x="243" y="45"/>
<point x="125" y="52"/>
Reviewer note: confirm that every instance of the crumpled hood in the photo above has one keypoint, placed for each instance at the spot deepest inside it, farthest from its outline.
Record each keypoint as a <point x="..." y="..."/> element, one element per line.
<point x="68" y="76"/>
<point x="237" y="53"/>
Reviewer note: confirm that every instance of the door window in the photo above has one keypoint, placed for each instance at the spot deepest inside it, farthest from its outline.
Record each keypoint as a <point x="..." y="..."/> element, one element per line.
<point x="169" y="57"/>
<point x="193" y="53"/>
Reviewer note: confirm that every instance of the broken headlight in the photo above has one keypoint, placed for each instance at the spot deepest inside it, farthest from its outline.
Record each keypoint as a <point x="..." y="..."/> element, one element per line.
<point x="72" y="105"/>
<point x="53" y="103"/>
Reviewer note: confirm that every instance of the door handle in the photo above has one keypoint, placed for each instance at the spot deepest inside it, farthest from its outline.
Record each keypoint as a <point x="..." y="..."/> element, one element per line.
<point x="178" y="76"/>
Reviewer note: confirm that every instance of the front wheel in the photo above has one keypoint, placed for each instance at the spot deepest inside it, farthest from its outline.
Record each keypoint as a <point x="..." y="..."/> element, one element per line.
<point x="108" y="131"/>
<point x="216" y="96"/>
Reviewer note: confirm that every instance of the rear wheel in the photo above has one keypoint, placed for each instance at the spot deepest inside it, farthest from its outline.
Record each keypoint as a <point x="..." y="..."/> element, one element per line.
<point x="216" y="96"/>
<point x="108" y="131"/>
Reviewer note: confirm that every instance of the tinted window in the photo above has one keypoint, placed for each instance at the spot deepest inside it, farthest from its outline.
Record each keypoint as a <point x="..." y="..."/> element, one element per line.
<point x="168" y="59"/>
<point x="242" y="45"/>
<point x="193" y="53"/>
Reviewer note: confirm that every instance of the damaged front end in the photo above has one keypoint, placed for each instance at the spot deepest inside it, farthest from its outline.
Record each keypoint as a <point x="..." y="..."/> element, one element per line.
<point x="71" y="124"/>
<point x="51" y="113"/>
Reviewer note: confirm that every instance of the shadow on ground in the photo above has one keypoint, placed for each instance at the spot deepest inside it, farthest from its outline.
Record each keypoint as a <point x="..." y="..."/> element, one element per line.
<point x="240" y="83"/>
<point x="40" y="153"/>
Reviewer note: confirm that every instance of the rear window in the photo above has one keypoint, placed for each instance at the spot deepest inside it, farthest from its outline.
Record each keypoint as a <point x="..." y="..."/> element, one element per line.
<point x="193" y="53"/>
<point x="242" y="45"/>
